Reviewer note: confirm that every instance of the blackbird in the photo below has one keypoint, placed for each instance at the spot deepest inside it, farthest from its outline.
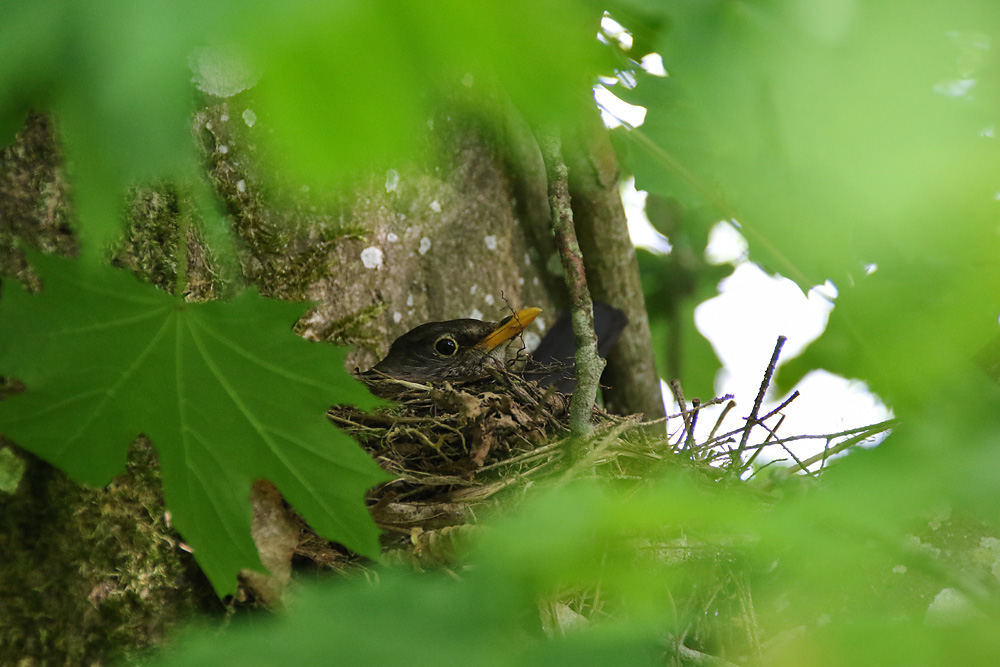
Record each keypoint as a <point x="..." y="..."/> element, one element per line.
<point x="466" y="348"/>
<point x="453" y="349"/>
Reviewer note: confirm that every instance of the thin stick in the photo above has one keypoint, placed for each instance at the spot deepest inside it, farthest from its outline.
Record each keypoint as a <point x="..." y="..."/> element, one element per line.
<point x="678" y="392"/>
<point x="795" y="394"/>
<point x="714" y="401"/>
<point x="869" y="430"/>
<point x="830" y="451"/>
<point x="782" y="445"/>
<point x="753" y="420"/>
<point x="725" y="411"/>
<point x="695" y="404"/>
<point x="767" y="441"/>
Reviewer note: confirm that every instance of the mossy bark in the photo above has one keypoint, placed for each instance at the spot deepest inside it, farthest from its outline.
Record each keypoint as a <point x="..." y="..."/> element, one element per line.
<point x="401" y="246"/>
<point x="88" y="575"/>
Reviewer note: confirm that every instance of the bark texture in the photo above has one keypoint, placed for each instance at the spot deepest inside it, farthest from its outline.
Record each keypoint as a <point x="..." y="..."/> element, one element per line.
<point x="612" y="271"/>
<point x="588" y="364"/>
<point x="405" y="245"/>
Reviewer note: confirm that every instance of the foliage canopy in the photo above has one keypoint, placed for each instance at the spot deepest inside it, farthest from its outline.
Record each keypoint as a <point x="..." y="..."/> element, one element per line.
<point x="851" y="142"/>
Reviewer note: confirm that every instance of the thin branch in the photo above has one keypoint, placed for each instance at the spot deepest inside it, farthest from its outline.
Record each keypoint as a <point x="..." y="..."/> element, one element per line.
<point x="612" y="268"/>
<point x="725" y="411"/>
<point x="753" y="420"/>
<point x="781" y="444"/>
<point x="695" y="405"/>
<point x="836" y="449"/>
<point x="870" y="429"/>
<point x="678" y="392"/>
<point x="715" y="401"/>
<point x="795" y="394"/>
<point x="767" y="441"/>
<point x="865" y="431"/>
<point x="588" y="363"/>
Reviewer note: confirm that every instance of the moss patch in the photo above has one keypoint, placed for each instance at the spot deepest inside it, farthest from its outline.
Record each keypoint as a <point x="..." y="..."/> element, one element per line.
<point x="87" y="575"/>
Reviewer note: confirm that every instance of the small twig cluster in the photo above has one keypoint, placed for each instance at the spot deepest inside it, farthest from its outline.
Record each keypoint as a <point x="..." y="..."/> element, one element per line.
<point x="715" y="449"/>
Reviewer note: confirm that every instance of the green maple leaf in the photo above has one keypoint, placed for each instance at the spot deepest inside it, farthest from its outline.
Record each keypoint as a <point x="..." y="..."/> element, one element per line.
<point x="224" y="390"/>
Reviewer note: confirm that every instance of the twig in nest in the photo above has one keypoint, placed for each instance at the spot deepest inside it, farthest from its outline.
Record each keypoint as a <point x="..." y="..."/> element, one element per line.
<point x="767" y="441"/>
<point x="695" y="405"/>
<point x="784" y="404"/>
<point x="862" y="434"/>
<point x="701" y="406"/>
<point x="522" y="353"/>
<point x="725" y="411"/>
<point x="678" y="392"/>
<point x="866" y="431"/>
<point x="599" y="444"/>
<point x="753" y="419"/>
<point x="774" y="432"/>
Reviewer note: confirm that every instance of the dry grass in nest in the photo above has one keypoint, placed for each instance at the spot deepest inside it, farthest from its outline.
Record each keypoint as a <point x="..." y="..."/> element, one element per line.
<point x="455" y="445"/>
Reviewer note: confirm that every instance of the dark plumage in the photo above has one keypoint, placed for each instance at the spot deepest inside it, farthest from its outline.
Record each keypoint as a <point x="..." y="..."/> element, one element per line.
<point x="554" y="360"/>
<point x="453" y="349"/>
<point x="466" y="348"/>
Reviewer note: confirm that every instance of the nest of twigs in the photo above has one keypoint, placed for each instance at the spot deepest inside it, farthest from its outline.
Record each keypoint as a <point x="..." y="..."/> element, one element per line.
<point x="456" y="448"/>
<point x="453" y="446"/>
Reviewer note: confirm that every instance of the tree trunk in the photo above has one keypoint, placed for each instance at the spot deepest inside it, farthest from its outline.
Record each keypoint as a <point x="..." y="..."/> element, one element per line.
<point x="612" y="270"/>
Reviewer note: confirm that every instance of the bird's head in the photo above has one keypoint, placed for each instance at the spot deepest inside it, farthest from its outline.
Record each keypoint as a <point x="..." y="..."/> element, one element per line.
<point x="453" y="349"/>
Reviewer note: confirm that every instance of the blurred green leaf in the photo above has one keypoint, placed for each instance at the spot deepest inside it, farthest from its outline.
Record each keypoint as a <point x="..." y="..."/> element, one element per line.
<point x="872" y="639"/>
<point x="419" y="621"/>
<point x="562" y="542"/>
<point x="644" y="549"/>
<point x="114" y="74"/>
<point x="634" y="570"/>
<point x="844" y="137"/>
<point x="669" y="555"/>
<point x="225" y="391"/>
<point x="674" y="285"/>
<point x="349" y="84"/>
<point x="341" y="85"/>
<point x="824" y="137"/>
<point x="914" y="324"/>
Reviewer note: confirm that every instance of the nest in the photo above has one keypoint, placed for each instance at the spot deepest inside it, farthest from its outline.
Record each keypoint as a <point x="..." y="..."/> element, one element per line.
<point x="452" y="447"/>
<point x="456" y="449"/>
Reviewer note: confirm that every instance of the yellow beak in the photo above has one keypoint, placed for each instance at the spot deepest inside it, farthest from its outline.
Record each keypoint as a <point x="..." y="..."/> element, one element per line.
<point x="509" y="327"/>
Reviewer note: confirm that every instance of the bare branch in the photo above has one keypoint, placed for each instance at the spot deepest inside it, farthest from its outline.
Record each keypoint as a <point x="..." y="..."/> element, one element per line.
<point x="753" y="420"/>
<point x="588" y="363"/>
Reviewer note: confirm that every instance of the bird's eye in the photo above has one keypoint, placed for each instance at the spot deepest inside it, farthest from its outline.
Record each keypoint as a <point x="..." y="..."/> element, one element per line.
<point x="446" y="346"/>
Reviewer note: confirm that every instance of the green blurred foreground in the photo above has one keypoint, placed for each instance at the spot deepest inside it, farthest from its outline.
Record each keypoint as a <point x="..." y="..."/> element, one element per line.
<point x="841" y="136"/>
